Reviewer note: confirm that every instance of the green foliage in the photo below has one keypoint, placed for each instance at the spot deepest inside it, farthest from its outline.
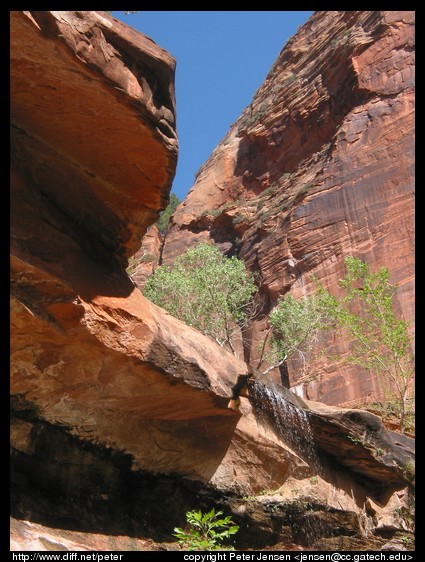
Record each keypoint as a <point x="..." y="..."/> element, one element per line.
<point x="253" y="117"/>
<point x="294" y="325"/>
<point x="148" y="258"/>
<point x="206" y="290"/>
<point x="212" y="212"/>
<point x="269" y="190"/>
<point x="304" y="189"/>
<point x="133" y="262"/>
<point x="387" y="409"/>
<point x="407" y="512"/>
<point x="355" y="440"/>
<point x="207" y="531"/>
<point x="410" y="471"/>
<point x="165" y="216"/>
<point x="380" y="341"/>
<point x="132" y="265"/>
<point x="266" y="492"/>
<point x="238" y="218"/>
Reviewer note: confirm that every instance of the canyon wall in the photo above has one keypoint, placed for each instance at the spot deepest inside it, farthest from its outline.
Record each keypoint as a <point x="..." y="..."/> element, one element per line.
<point x="94" y="152"/>
<point x="318" y="167"/>
<point x="119" y="412"/>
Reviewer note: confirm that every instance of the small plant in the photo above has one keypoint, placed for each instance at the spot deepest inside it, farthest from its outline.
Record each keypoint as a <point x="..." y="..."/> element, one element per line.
<point x="264" y="216"/>
<point x="293" y="325"/>
<point x="271" y="189"/>
<point x="379" y="340"/>
<point x="165" y="217"/>
<point x="132" y="265"/>
<point x="238" y="218"/>
<point x="410" y="471"/>
<point x="206" y="290"/>
<point x="206" y="532"/>
<point x="314" y="480"/>
<point x="288" y="81"/>
<point x="211" y="212"/>
<point x="379" y="451"/>
<point x="148" y="258"/>
<point x="405" y="539"/>
<point x="355" y="440"/>
<point x="305" y="188"/>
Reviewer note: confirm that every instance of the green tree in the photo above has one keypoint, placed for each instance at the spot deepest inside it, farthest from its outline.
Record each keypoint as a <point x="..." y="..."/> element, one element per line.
<point x="206" y="290"/>
<point x="165" y="216"/>
<point x="379" y="340"/>
<point x="293" y="328"/>
<point x="206" y="531"/>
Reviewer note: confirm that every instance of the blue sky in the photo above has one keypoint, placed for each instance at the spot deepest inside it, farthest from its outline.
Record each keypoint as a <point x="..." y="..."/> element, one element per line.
<point x="222" y="59"/>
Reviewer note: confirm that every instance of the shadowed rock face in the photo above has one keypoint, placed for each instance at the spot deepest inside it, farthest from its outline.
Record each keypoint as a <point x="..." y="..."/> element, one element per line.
<point x="92" y="163"/>
<point x="100" y="492"/>
<point x="318" y="167"/>
<point x="354" y="439"/>
<point x="116" y="406"/>
<point x="90" y="98"/>
<point x="93" y="156"/>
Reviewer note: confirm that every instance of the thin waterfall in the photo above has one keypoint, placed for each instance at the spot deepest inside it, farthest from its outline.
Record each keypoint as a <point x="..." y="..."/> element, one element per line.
<point x="291" y="421"/>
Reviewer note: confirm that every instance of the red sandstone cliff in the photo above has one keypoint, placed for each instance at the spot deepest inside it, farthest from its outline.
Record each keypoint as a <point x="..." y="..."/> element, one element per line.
<point x="90" y="356"/>
<point x="119" y="411"/>
<point x="147" y="258"/>
<point x="318" y="167"/>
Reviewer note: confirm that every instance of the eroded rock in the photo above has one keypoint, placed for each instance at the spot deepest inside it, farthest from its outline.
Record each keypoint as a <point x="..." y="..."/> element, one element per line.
<point x="117" y="407"/>
<point x="318" y="167"/>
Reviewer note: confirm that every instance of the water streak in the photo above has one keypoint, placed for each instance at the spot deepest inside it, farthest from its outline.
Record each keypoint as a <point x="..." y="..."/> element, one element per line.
<point x="291" y="422"/>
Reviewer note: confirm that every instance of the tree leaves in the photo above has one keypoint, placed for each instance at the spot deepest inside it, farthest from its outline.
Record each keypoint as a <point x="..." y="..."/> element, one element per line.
<point x="379" y="340"/>
<point x="294" y="325"/>
<point x="206" y="531"/>
<point x="164" y="218"/>
<point x="205" y="290"/>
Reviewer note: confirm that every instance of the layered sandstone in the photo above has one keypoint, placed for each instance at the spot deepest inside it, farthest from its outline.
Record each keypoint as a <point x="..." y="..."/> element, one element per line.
<point x="26" y="535"/>
<point x="318" y="167"/>
<point x="147" y="258"/>
<point x="88" y="352"/>
<point x="119" y="411"/>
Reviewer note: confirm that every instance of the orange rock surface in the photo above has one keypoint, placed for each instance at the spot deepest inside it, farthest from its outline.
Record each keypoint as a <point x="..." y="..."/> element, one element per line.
<point x="146" y="260"/>
<point x="318" y="167"/>
<point x="93" y="156"/>
<point x="119" y="411"/>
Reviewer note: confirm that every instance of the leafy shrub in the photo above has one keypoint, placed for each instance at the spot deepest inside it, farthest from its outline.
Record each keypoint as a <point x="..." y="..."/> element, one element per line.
<point x="206" y="290"/>
<point x="164" y="218"/>
<point x="379" y="340"/>
<point x="294" y="324"/>
<point x="206" y="531"/>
